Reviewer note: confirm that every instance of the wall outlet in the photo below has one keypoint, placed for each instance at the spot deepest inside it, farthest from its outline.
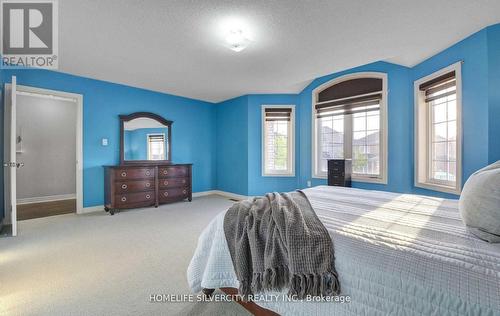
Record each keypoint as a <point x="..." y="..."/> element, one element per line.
<point x="308" y="183"/>
<point x="104" y="142"/>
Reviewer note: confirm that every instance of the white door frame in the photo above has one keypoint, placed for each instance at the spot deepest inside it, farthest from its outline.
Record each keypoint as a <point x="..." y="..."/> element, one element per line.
<point x="10" y="164"/>
<point x="78" y="99"/>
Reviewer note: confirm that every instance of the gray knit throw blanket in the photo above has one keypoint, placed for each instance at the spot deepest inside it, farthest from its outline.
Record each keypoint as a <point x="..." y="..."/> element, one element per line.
<point x="277" y="242"/>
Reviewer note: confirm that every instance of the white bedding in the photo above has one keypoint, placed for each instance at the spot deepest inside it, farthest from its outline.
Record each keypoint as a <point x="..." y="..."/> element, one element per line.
<point x="395" y="254"/>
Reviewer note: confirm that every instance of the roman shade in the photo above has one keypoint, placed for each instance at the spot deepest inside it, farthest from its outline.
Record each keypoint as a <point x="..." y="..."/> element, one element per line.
<point x="349" y="97"/>
<point x="439" y="87"/>
<point x="278" y="114"/>
<point x="349" y="88"/>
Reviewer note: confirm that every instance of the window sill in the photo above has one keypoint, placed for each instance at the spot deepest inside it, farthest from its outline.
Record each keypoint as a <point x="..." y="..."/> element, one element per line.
<point x="381" y="180"/>
<point x="439" y="188"/>
<point x="356" y="179"/>
<point x="281" y="175"/>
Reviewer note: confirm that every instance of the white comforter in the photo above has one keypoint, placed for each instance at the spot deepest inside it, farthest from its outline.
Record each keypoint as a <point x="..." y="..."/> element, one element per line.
<point x="395" y="254"/>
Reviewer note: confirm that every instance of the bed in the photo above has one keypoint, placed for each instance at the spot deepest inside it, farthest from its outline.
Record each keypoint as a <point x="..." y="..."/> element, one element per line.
<point x="397" y="254"/>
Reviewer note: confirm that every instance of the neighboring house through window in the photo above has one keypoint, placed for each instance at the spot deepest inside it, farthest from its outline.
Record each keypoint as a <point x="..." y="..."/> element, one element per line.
<point x="350" y="122"/>
<point x="278" y="136"/>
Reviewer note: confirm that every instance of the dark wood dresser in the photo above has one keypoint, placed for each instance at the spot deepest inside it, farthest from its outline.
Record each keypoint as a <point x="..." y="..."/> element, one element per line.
<point x="136" y="185"/>
<point x="339" y="172"/>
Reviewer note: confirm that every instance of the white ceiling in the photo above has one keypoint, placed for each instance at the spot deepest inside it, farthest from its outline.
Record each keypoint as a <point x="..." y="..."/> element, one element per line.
<point x="176" y="46"/>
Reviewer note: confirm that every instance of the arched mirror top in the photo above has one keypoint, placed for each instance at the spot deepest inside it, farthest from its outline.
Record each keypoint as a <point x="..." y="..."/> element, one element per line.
<point x="145" y="138"/>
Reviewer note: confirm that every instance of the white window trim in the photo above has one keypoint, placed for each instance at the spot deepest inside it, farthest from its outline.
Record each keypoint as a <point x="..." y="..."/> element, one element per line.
<point x="382" y="179"/>
<point x="291" y="143"/>
<point x="422" y="132"/>
<point x="149" y="145"/>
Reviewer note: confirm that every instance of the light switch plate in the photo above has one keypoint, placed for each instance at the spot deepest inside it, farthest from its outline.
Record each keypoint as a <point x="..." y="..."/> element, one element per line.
<point x="105" y="142"/>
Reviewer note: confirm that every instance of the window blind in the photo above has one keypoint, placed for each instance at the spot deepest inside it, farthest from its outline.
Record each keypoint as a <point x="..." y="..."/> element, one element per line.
<point x="350" y="105"/>
<point x="349" y="97"/>
<point x="278" y="114"/>
<point x="349" y="88"/>
<point x="156" y="138"/>
<point x="156" y="146"/>
<point x="439" y="87"/>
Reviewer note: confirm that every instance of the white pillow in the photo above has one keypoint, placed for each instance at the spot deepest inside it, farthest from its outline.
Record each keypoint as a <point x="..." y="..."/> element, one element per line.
<point x="480" y="203"/>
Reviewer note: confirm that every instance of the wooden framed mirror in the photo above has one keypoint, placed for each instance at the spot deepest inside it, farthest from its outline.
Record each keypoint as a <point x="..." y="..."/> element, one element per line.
<point x="145" y="138"/>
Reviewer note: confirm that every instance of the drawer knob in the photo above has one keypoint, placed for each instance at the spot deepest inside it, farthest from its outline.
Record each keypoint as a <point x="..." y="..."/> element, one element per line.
<point x="148" y="184"/>
<point x="166" y="182"/>
<point x="148" y="172"/>
<point x="184" y="191"/>
<point x="148" y="196"/>
<point x="183" y="180"/>
<point x="165" y="193"/>
<point x="165" y="171"/>
<point x="124" y="174"/>
<point x="124" y="186"/>
<point x="124" y="199"/>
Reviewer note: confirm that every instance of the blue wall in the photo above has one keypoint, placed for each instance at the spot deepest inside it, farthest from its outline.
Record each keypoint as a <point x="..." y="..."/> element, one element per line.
<point x="193" y="130"/>
<point x="494" y="92"/>
<point x="481" y="113"/>
<point x="239" y="147"/>
<point x="473" y="52"/>
<point x="224" y="140"/>
<point x="232" y="149"/>
<point x="257" y="184"/>
<point x="2" y="210"/>
<point x="400" y="119"/>
<point x="136" y="142"/>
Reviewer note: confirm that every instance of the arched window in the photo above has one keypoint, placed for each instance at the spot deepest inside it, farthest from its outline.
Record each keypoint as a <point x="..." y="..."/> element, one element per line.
<point x="350" y="122"/>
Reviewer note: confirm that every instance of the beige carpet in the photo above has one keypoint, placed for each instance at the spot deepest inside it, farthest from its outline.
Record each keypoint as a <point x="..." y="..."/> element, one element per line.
<point x="97" y="264"/>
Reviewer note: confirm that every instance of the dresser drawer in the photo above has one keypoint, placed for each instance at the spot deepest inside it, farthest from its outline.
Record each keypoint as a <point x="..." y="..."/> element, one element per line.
<point x="339" y="172"/>
<point x="134" y="173"/>
<point x="134" y="186"/>
<point x="173" y="194"/>
<point x="173" y="183"/>
<point x="337" y="178"/>
<point x="173" y="172"/>
<point x="336" y="163"/>
<point x="148" y="198"/>
<point x="145" y="185"/>
<point x="337" y="183"/>
<point x="336" y="169"/>
<point x="336" y="173"/>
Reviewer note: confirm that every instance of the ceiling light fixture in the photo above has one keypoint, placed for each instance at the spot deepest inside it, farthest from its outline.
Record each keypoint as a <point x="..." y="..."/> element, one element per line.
<point x="237" y="40"/>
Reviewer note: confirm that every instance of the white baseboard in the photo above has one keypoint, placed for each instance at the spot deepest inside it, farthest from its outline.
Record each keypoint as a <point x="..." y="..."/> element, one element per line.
<point x="222" y="193"/>
<point x="49" y="198"/>
<point x="100" y="208"/>
<point x="91" y="209"/>
<point x="204" y="193"/>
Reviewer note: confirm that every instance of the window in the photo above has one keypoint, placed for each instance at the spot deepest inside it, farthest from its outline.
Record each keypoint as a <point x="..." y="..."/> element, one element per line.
<point x="156" y="147"/>
<point x="331" y="138"/>
<point x="438" y="131"/>
<point x="366" y="143"/>
<point x="349" y="122"/>
<point x="278" y="141"/>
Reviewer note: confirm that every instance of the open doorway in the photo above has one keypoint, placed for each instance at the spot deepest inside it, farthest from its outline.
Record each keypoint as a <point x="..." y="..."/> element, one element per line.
<point x="46" y="148"/>
<point x="46" y="139"/>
